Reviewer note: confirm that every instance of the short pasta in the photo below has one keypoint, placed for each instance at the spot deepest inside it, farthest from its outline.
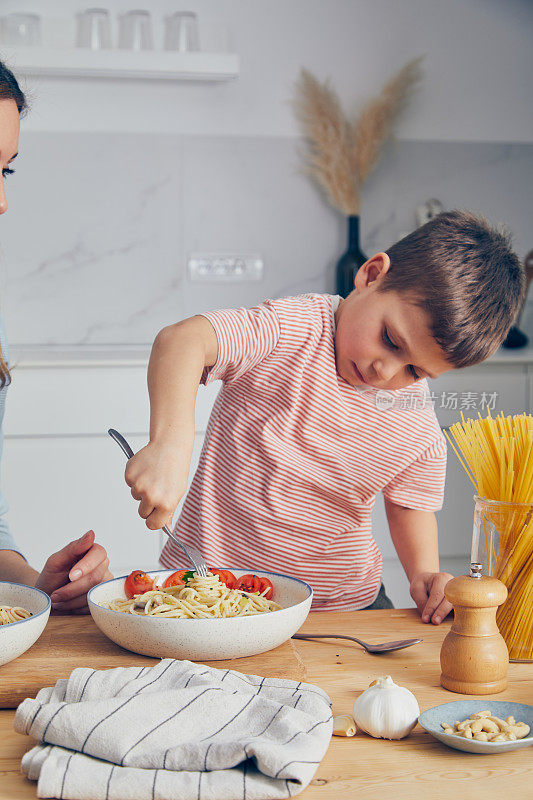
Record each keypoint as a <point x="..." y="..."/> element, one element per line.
<point x="10" y="614"/>
<point x="201" y="598"/>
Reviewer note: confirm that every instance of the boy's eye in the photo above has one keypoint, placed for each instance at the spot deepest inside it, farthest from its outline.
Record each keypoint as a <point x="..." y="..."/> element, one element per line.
<point x="388" y="341"/>
<point x="7" y="171"/>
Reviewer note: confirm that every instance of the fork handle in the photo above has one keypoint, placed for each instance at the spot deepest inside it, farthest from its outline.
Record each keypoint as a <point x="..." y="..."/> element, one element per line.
<point x="169" y="533"/>
<point x="120" y="440"/>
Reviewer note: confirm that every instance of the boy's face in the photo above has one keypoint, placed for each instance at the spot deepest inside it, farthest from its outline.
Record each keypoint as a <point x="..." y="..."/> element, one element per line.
<point x="383" y="339"/>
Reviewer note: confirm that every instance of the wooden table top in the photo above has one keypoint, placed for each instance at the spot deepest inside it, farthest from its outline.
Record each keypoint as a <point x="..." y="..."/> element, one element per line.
<point x="361" y="767"/>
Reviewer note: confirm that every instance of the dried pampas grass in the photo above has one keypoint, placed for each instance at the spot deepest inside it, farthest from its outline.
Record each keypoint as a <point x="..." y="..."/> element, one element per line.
<point x="341" y="153"/>
<point x="330" y="155"/>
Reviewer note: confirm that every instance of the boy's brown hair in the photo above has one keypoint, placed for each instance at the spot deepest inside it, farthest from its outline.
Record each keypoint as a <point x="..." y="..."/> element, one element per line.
<point x="466" y="276"/>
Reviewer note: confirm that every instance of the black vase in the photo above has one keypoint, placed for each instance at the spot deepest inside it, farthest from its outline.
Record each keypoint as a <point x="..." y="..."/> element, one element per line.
<point x="349" y="263"/>
<point x="515" y="338"/>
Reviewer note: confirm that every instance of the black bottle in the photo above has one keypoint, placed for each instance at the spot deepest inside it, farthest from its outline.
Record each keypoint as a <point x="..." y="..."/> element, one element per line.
<point x="351" y="260"/>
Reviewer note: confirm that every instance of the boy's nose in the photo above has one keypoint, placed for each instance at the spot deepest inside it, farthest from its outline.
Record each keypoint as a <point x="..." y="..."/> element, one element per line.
<point x="385" y="369"/>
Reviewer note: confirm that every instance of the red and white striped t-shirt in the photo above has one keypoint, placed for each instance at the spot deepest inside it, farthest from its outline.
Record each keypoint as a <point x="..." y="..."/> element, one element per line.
<point x="294" y="456"/>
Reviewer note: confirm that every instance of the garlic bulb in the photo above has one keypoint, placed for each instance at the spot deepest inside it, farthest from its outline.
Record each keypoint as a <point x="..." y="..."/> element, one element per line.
<point x="385" y="710"/>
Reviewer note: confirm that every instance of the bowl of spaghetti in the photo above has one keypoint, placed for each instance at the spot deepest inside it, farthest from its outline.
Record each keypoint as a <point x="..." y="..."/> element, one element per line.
<point x="24" y="612"/>
<point x="203" y="620"/>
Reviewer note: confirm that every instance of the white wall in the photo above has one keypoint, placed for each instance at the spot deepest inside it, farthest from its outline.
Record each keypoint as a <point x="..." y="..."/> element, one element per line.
<point x="478" y="65"/>
<point x="118" y="181"/>
<point x="114" y="216"/>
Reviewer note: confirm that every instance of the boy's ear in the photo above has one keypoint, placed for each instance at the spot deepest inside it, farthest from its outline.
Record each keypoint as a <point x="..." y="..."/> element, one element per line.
<point x="372" y="270"/>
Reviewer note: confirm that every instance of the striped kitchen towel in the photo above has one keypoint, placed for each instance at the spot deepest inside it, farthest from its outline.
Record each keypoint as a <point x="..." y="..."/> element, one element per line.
<point x="175" y="730"/>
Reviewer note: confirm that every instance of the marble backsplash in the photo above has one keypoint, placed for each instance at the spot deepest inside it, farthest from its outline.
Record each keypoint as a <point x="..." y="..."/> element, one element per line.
<point x="94" y="246"/>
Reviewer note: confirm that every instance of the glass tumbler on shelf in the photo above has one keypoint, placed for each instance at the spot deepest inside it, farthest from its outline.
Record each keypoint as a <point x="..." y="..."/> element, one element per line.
<point x="181" y="32"/>
<point x="21" y="30"/>
<point x="502" y="541"/>
<point x="94" y="29"/>
<point x="135" y="31"/>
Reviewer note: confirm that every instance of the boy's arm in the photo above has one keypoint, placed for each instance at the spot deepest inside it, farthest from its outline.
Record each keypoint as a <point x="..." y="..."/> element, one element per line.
<point x="414" y="534"/>
<point x="158" y="473"/>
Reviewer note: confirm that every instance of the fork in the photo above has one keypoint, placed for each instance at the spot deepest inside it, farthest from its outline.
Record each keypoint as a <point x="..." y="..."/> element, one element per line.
<point x="194" y="555"/>
<point x="384" y="647"/>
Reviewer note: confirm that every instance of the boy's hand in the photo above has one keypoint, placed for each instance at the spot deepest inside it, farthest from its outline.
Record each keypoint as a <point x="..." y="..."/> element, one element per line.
<point x="427" y="590"/>
<point x="68" y="574"/>
<point x="157" y="476"/>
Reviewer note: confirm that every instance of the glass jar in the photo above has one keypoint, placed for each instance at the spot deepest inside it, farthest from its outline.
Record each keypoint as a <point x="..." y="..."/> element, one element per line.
<point x="502" y="541"/>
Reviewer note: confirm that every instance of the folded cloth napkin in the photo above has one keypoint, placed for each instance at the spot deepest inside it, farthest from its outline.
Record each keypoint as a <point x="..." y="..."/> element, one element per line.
<point x="175" y="730"/>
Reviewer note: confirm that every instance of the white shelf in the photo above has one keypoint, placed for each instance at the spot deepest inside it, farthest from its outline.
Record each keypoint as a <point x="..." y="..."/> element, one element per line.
<point x="144" y="65"/>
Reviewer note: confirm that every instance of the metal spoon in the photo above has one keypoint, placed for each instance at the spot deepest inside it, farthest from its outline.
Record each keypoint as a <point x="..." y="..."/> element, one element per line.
<point x="385" y="647"/>
<point x="194" y="555"/>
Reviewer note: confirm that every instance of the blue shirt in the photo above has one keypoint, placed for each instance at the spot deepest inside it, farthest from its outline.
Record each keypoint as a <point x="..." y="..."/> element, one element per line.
<point x="6" y="540"/>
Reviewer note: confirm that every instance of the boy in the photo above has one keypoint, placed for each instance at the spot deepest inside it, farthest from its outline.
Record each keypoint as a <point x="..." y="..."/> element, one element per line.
<point x="299" y="443"/>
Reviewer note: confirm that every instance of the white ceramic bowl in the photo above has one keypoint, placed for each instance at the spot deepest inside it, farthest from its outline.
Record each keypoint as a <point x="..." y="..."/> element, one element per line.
<point x="17" y="637"/>
<point x="204" y="639"/>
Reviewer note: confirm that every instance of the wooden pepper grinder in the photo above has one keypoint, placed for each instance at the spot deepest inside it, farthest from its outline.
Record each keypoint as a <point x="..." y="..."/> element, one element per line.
<point x="474" y="656"/>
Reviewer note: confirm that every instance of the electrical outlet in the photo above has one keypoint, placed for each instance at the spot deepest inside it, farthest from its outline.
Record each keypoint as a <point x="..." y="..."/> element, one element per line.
<point x="218" y="267"/>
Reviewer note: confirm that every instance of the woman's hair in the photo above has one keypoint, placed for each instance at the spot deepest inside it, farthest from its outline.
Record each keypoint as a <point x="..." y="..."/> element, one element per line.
<point x="465" y="275"/>
<point x="9" y="90"/>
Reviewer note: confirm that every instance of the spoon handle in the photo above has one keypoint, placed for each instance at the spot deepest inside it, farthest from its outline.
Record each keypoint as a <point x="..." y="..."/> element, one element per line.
<point x="328" y="636"/>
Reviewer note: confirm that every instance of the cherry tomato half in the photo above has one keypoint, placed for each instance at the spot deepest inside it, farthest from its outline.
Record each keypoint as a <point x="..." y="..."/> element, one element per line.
<point x="265" y="584"/>
<point x="138" y="582"/>
<point x="226" y="577"/>
<point x="176" y="579"/>
<point x="248" y="583"/>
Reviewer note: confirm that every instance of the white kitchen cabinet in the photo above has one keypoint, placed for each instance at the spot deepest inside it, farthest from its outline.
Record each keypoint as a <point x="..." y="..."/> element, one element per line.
<point x="86" y="400"/>
<point x="62" y="474"/>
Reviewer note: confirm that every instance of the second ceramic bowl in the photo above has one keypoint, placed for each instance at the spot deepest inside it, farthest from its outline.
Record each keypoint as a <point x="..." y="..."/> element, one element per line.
<point x="431" y="721"/>
<point x="17" y="637"/>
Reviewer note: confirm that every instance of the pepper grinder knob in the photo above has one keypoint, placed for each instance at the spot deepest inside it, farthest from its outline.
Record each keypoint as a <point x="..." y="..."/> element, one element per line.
<point x="474" y="656"/>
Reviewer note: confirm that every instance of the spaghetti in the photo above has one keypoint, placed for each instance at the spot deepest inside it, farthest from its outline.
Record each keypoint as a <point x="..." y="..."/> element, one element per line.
<point x="201" y="598"/>
<point x="10" y="614"/>
<point x="497" y="454"/>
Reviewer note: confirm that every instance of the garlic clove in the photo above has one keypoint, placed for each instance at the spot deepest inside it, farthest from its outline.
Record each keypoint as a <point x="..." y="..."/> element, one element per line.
<point x="386" y="710"/>
<point x="344" y="725"/>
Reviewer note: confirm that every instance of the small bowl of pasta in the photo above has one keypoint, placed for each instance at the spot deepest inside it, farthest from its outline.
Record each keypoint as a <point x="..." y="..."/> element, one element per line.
<point x="228" y="614"/>
<point x="24" y="612"/>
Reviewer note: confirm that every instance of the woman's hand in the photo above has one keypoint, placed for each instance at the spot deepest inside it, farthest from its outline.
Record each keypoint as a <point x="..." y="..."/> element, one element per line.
<point x="157" y="476"/>
<point x="427" y="590"/>
<point x="68" y="574"/>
